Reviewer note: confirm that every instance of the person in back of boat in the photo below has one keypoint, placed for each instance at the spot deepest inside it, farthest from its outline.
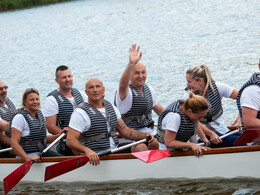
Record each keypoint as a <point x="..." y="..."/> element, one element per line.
<point x="60" y="104"/>
<point x="178" y="122"/>
<point x="135" y="99"/>
<point x="7" y="112"/>
<point x="93" y="125"/>
<point x="29" y="133"/>
<point x="248" y="102"/>
<point x="200" y="82"/>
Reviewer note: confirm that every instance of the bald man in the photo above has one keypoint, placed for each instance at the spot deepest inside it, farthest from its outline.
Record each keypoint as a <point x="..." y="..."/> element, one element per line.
<point x="135" y="99"/>
<point x="93" y="125"/>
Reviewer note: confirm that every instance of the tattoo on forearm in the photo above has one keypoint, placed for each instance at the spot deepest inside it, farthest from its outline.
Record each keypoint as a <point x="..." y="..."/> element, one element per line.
<point x="121" y="125"/>
<point x="134" y="135"/>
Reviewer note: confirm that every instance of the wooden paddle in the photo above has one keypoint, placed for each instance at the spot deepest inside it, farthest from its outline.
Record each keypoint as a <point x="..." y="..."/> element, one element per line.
<point x="6" y="150"/>
<point x="13" y="178"/>
<point x="248" y="136"/>
<point x="66" y="166"/>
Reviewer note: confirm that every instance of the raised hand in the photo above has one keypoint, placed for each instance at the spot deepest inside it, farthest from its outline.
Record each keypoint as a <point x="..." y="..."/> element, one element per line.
<point x="134" y="55"/>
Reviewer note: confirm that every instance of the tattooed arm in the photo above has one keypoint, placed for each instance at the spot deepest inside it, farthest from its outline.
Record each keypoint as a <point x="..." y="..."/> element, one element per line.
<point x="129" y="133"/>
<point x="132" y="134"/>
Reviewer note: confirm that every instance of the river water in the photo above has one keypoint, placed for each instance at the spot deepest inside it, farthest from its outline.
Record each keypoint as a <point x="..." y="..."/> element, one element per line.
<point x="92" y="37"/>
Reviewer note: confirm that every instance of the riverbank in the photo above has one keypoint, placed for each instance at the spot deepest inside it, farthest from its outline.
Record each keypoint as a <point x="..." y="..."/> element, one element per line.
<point x="6" y="5"/>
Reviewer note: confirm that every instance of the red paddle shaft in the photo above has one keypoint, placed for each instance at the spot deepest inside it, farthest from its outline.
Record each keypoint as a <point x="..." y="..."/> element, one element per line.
<point x="66" y="166"/>
<point x="13" y="178"/>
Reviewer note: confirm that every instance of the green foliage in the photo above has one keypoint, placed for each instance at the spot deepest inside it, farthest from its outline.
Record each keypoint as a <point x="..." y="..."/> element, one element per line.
<point x="6" y="5"/>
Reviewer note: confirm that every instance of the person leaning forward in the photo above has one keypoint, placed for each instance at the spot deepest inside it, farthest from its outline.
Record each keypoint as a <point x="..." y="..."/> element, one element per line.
<point x="200" y="82"/>
<point x="60" y="104"/>
<point x="179" y="121"/>
<point x="135" y="99"/>
<point x="94" y="123"/>
<point x="7" y="112"/>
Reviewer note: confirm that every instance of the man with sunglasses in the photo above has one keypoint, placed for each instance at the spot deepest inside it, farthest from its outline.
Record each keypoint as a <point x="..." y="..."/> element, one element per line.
<point x="7" y="112"/>
<point x="60" y="104"/>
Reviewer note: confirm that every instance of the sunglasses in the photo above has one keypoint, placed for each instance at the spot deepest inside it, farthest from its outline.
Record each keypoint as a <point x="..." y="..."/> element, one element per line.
<point x="5" y="87"/>
<point x="30" y="90"/>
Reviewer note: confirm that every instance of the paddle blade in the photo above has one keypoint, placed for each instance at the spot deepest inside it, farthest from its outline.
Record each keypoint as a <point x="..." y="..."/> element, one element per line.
<point x="151" y="155"/>
<point x="65" y="166"/>
<point x="13" y="178"/>
<point x="248" y="136"/>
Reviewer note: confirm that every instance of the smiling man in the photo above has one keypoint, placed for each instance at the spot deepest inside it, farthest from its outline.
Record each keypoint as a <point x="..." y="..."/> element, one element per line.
<point x="94" y="123"/>
<point x="7" y="112"/>
<point x="135" y="99"/>
<point x="60" y="104"/>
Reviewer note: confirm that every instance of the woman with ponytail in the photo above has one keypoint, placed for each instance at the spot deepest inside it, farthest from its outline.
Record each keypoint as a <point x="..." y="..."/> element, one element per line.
<point x="178" y="122"/>
<point x="200" y="82"/>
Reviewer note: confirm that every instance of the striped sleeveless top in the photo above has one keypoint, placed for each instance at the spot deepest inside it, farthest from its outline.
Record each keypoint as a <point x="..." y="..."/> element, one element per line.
<point x="254" y="80"/>
<point x="8" y="113"/>
<point x="36" y="140"/>
<point x="186" y="129"/>
<point x="140" y="114"/>
<point x="65" y="107"/>
<point x="97" y="137"/>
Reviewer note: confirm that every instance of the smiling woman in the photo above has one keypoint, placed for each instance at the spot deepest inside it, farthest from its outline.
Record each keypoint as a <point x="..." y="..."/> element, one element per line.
<point x="6" y="5"/>
<point x="29" y="136"/>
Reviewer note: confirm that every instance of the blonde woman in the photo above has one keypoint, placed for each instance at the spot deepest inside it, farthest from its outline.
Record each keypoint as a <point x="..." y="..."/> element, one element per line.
<point x="200" y="82"/>
<point x="178" y="122"/>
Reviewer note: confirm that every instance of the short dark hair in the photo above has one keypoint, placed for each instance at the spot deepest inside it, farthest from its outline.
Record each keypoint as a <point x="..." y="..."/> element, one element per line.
<point x="61" y="68"/>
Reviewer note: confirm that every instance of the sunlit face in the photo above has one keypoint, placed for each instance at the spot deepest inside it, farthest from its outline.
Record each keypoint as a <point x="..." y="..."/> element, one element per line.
<point x="3" y="91"/>
<point x="196" y="116"/>
<point x="64" y="79"/>
<point x="95" y="90"/>
<point x="138" y="76"/>
<point x="32" y="102"/>
<point x="195" y="85"/>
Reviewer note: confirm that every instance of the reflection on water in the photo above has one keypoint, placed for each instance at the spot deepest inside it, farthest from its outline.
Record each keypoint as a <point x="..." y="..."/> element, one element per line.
<point x="238" y="186"/>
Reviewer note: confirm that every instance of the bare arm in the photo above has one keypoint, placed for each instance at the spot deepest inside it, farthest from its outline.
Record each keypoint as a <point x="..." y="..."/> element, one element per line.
<point x="238" y="119"/>
<point x="126" y="76"/>
<point x="234" y="94"/>
<point x="129" y="133"/>
<point x="74" y="144"/>
<point x="132" y="134"/>
<point x="202" y="135"/>
<point x="51" y="125"/>
<point x="4" y="139"/>
<point x="214" y="138"/>
<point x="4" y="126"/>
<point x="15" y="139"/>
<point x="249" y="118"/>
<point x="158" y="109"/>
<point x="51" y="138"/>
<point x="170" y="142"/>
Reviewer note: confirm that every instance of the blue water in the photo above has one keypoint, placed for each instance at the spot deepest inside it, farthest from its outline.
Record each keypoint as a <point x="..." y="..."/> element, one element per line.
<point x="92" y="37"/>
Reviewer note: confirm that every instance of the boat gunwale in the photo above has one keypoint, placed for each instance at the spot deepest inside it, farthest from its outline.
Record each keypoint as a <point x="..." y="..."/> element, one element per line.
<point x="121" y="156"/>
